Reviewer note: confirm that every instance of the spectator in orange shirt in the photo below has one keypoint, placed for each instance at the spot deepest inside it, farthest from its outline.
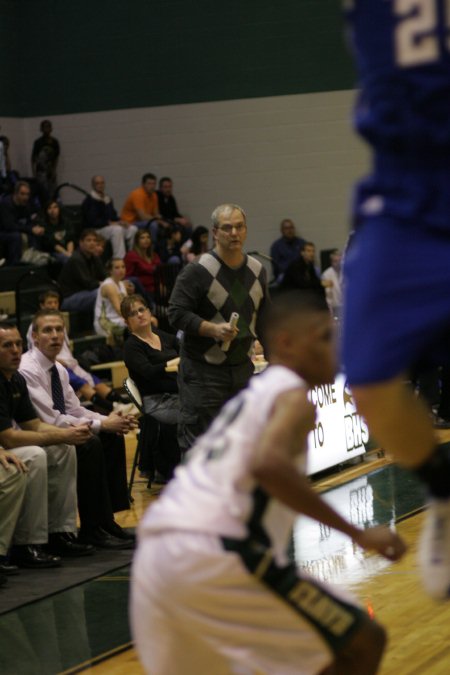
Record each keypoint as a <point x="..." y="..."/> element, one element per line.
<point x="141" y="206"/>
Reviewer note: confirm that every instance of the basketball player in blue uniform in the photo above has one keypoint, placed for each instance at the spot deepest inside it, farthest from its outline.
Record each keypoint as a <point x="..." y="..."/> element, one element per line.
<point x="397" y="270"/>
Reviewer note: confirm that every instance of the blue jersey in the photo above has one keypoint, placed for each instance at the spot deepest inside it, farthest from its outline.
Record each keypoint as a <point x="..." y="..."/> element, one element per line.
<point x="402" y="51"/>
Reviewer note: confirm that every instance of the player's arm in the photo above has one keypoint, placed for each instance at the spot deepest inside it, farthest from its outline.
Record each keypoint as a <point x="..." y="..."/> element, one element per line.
<point x="275" y="471"/>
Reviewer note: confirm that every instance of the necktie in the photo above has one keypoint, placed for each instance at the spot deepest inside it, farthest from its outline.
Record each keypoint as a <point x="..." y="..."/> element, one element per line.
<point x="57" y="391"/>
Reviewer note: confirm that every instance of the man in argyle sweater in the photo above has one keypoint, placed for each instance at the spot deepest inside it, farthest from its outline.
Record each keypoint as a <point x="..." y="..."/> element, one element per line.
<point x="206" y="293"/>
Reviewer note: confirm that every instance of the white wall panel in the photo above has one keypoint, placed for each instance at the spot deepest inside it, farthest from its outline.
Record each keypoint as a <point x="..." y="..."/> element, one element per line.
<point x="284" y="156"/>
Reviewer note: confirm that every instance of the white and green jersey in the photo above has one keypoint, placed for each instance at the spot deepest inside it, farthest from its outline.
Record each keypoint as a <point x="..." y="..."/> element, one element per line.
<point x="215" y="491"/>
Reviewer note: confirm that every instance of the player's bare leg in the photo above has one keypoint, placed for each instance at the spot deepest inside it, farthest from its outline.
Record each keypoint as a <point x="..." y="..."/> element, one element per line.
<point x="401" y="424"/>
<point x="363" y="654"/>
<point x="398" y="420"/>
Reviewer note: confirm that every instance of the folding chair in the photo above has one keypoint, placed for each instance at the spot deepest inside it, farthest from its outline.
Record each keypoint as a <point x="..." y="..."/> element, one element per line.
<point x="135" y="396"/>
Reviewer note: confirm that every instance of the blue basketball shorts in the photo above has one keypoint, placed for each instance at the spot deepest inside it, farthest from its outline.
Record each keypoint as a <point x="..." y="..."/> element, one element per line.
<point x="397" y="298"/>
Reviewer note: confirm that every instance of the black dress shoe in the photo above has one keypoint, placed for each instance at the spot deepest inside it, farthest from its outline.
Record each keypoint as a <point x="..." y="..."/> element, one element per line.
<point x="33" y="556"/>
<point x="159" y="479"/>
<point x="441" y="422"/>
<point x="115" y="530"/>
<point x="2" y="579"/>
<point x="6" y="567"/>
<point x="99" y="538"/>
<point x="65" y="544"/>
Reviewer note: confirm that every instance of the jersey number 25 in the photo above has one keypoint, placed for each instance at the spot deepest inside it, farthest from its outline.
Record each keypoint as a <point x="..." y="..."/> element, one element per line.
<point x="417" y="40"/>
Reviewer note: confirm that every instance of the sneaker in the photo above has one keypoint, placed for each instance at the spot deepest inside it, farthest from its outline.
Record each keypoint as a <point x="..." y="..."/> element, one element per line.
<point x="434" y="550"/>
<point x="126" y="408"/>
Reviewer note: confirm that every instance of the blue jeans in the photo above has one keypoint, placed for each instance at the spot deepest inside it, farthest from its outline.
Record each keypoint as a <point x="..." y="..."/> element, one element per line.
<point x="82" y="301"/>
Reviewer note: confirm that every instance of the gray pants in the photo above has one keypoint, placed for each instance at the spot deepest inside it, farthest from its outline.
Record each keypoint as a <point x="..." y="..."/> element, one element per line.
<point x="203" y="390"/>
<point x="118" y="235"/>
<point x="50" y="502"/>
<point x="12" y="490"/>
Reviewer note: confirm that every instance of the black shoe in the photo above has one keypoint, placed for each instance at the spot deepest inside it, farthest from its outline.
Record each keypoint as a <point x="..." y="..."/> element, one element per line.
<point x="115" y="530"/>
<point x="2" y="579"/>
<point x="99" y="538"/>
<point x="441" y="422"/>
<point x="6" y="568"/>
<point x="34" y="557"/>
<point x="159" y="479"/>
<point x="117" y="397"/>
<point x="65" y="544"/>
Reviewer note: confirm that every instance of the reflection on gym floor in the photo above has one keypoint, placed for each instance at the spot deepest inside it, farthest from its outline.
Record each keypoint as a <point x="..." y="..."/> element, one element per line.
<point x="89" y="621"/>
<point x="379" y="498"/>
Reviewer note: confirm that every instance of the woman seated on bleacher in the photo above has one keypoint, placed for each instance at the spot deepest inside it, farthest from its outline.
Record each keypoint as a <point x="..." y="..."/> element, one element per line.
<point x="108" y="320"/>
<point x="151" y="356"/>
<point x="58" y="235"/>
<point x="141" y="262"/>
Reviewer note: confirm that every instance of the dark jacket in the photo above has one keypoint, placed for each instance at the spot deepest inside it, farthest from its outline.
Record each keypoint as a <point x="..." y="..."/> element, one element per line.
<point x="17" y="218"/>
<point x="97" y="214"/>
<point x="80" y="273"/>
<point x="302" y="275"/>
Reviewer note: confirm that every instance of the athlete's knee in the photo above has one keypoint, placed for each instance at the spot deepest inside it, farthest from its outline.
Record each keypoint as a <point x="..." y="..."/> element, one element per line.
<point x="372" y="398"/>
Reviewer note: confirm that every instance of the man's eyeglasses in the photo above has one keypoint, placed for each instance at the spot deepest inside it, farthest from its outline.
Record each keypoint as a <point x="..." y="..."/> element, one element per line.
<point x="227" y="229"/>
<point x="139" y="310"/>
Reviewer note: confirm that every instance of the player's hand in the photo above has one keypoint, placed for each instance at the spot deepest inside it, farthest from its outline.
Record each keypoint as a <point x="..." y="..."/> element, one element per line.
<point x="382" y="540"/>
<point x="77" y="435"/>
<point x="9" y="458"/>
<point x="224" y="332"/>
<point x="116" y="423"/>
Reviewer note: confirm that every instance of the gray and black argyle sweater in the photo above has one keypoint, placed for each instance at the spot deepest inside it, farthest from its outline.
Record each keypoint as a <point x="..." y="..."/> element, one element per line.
<point x="209" y="290"/>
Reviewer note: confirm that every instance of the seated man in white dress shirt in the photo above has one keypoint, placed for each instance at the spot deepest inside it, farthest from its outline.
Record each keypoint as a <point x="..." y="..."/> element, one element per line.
<point x="86" y="385"/>
<point x="49" y="509"/>
<point x="40" y="370"/>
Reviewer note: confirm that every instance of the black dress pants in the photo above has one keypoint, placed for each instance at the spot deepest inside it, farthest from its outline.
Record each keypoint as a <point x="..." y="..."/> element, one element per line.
<point x="101" y="480"/>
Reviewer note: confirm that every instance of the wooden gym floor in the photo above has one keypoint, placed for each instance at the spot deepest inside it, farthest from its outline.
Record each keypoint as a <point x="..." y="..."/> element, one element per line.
<point x="372" y="492"/>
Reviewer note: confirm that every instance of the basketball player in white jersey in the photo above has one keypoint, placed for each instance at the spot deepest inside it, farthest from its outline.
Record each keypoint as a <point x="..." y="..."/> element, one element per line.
<point x="213" y="591"/>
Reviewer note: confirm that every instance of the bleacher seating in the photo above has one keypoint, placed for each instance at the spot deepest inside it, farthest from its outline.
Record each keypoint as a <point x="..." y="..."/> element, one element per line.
<point x="165" y="276"/>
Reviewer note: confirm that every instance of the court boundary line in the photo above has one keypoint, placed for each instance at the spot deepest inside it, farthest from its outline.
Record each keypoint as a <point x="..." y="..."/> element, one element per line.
<point x="96" y="660"/>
